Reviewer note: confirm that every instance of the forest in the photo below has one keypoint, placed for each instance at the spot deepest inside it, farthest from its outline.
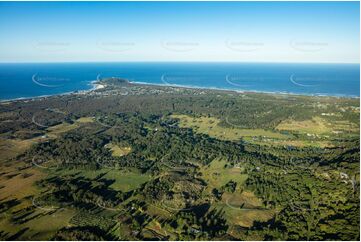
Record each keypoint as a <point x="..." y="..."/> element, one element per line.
<point x="140" y="162"/>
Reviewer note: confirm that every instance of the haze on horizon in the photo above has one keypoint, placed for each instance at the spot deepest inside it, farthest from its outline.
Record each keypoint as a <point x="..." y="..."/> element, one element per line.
<point x="180" y="31"/>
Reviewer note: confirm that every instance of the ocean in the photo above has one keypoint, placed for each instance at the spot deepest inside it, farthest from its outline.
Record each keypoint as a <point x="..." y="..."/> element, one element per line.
<point x="24" y="80"/>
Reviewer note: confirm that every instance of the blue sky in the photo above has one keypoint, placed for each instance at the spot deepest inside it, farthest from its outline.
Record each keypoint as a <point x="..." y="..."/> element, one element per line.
<point x="180" y="31"/>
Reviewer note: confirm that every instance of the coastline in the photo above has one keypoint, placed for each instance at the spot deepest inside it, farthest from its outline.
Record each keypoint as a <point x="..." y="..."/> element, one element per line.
<point x="95" y="85"/>
<point x="248" y="91"/>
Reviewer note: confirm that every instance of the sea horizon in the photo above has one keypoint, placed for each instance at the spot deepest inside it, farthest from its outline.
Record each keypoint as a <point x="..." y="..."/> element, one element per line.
<point x="180" y="121"/>
<point x="175" y="61"/>
<point x="30" y="80"/>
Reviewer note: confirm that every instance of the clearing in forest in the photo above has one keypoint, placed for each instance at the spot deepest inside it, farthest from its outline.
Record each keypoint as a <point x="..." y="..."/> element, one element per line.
<point x="117" y="150"/>
<point x="211" y="127"/>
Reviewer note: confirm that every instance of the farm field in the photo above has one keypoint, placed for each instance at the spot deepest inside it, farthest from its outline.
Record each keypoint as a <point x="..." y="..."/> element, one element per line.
<point x="211" y="127"/>
<point x="310" y="128"/>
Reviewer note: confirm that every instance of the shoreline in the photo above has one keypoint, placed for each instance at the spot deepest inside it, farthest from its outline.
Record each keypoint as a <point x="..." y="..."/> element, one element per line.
<point x="248" y="91"/>
<point x="96" y="86"/>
